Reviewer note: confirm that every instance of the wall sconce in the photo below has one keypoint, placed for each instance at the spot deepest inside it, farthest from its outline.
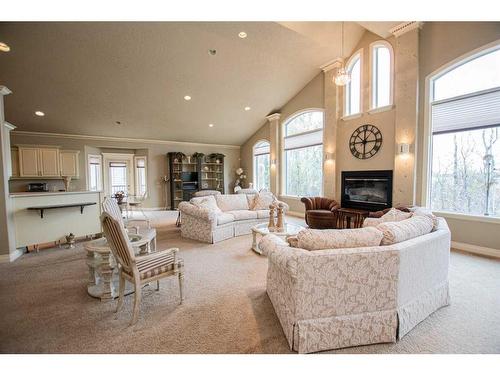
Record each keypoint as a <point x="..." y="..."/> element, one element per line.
<point x="403" y="148"/>
<point x="273" y="161"/>
<point x="328" y="156"/>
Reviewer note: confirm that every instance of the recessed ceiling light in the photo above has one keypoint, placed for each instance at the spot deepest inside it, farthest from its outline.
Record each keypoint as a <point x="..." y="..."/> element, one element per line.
<point x="212" y="52"/>
<point x="39" y="113"/>
<point x="242" y="34"/>
<point x="118" y="122"/>
<point x="210" y="125"/>
<point x="187" y="97"/>
<point x="247" y="108"/>
<point x="4" y="47"/>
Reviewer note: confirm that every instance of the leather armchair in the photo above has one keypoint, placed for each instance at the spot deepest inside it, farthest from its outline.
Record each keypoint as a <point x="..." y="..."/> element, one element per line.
<point x="321" y="213"/>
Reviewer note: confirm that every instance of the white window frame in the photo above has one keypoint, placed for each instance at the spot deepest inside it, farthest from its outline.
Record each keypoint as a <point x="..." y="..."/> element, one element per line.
<point x="100" y="181"/>
<point x="254" y="167"/>
<point x="283" y="193"/>
<point x="136" y="175"/>
<point x="427" y="133"/>
<point x="115" y="157"/>
<point x="347" y="88"/>
<point x="374" y="78"/>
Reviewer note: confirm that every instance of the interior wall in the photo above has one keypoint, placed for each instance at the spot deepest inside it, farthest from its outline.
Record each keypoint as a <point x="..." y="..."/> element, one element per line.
<point x="157" y="160"/>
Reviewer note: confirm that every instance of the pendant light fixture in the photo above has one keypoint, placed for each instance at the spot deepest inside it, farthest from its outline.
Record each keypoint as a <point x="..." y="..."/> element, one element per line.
<point x="342" y="77"/>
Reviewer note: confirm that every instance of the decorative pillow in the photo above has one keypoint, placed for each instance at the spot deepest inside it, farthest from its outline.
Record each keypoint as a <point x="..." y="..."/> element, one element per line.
<point x="395" y="232"/>
<point x="293" y="241"/>
<point x="232" y="202"/>
<point x="395" y="215"/>
<point x="262" y="200"/>
<point x="250" y="198"/>
<point x="372" y="222"/>
<point x="208" y="202"/>
<point x="317" y="239"/>
<point x="423" y="211"/>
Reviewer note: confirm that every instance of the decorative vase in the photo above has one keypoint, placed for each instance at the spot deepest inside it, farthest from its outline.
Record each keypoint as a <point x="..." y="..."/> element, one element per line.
<point x="280" y="224"/>
<point x="70" y="240"/>
<point x="271" y="225"/>
<point x="67" y="181"/>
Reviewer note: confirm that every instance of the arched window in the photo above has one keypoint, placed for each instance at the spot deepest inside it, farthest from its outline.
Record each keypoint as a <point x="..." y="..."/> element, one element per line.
<point x="353" y="88"/>
<point x="303" y="154"/>
<point x="465" y="141"/>
<point x="382" y="66"/>
<point x="261" y="165"/>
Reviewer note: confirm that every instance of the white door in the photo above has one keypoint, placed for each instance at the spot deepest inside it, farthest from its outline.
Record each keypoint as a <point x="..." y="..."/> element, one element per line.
<point x="118" y="174"/>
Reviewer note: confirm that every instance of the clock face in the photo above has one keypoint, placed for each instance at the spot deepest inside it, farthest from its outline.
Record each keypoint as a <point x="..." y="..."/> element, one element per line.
<point x="365" y="141"/>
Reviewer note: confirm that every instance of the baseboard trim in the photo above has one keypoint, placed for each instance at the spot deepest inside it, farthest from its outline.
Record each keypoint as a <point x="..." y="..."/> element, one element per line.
<point x="480" y="250"/>
<point x="7" y="258"/>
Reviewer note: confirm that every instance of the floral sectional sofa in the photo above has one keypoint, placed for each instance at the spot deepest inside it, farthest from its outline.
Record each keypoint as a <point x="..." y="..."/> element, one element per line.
<point x="216" y="218"/>
<point x="365" y="286"/>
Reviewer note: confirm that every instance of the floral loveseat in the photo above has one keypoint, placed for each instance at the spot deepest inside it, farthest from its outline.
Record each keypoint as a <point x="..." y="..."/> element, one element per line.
<point x="219" y="217"/>
<point x="341" y="297"/>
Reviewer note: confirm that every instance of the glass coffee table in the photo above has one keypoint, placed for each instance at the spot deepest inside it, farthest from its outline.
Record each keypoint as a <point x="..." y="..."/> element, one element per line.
<point x="288" y="230"/>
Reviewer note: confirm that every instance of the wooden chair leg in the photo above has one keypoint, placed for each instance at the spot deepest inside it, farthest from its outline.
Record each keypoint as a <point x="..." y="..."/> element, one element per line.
<point x="181" y="285"/>
<point x="137" y="301"/>
<point x="158" y="284"/>
<point x="121" y="292"/>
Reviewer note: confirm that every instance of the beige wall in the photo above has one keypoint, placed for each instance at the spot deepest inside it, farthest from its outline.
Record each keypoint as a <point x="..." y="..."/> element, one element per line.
<point x="157" y="160"/>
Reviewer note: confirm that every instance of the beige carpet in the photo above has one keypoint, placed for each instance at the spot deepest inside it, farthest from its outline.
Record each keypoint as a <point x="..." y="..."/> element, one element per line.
<point x="45" y="308"/>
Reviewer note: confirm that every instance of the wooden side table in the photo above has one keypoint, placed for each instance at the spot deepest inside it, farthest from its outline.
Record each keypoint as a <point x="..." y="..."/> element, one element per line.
<point x="351" y="218"/>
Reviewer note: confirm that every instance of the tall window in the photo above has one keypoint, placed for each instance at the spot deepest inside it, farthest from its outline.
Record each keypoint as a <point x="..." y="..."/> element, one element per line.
<point x="140" y="175"/>
<point x="381" y="59"/>
<point x="261" y="165"/>
<point x="303" y="151"/>
<point x="94" y="172"/>
<point x="353" y="88"/>
<point x="465" y="115"/>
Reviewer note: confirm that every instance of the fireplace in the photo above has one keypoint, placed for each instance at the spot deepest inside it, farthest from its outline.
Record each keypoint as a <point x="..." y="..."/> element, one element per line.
<point x="367" y="190"/>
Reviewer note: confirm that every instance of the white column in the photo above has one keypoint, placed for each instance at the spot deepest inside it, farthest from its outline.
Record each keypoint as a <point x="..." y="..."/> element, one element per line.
<point x="7" y="232"/>
<point x="331" y="116"/>
<point x="275" y="154"/>
<point x="406" y="96"/>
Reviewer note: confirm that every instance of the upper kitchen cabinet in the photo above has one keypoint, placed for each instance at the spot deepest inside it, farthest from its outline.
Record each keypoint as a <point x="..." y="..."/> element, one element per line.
<point x="69" y="163"/>
<point x="38" y="161"/>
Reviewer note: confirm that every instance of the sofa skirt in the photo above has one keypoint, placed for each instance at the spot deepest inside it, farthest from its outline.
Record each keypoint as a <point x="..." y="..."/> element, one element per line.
<point x="314" y="335"/>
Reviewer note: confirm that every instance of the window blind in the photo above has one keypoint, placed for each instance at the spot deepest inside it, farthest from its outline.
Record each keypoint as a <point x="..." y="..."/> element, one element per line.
<point x="480" y="109"/>
<point x="262" y="149"/>
<point x="304" y="140"/>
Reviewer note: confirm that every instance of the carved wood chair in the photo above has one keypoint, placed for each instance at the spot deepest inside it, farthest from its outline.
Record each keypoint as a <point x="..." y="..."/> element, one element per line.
<point x="320" y="212"/>
<point x="141" y="270"/>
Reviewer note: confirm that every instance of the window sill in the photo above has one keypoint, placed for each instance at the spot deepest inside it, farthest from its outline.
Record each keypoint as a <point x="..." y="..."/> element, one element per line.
<point x="351" y="117"/>
<point x="466" y="217"/>
<point x="381" y="109"/>
<point x="290" y="197"/>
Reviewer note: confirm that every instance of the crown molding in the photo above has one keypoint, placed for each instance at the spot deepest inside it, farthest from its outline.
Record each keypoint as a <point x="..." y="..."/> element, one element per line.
<point x="274" y="116"/>
<point x="118" y="139"/>
<point x="332" y="64"/>
<point x="405" y="27"/>
<point x="4" y="90"/>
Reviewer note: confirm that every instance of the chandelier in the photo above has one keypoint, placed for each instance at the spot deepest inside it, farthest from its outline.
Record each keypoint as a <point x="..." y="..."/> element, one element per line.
<point x="343" y="77"/>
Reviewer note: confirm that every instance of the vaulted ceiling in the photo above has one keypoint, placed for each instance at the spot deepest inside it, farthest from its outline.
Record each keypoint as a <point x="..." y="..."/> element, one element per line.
<point x="86" y="77"/>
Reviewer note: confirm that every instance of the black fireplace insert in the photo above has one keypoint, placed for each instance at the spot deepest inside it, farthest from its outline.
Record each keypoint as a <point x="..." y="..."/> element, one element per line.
<point x="367" y="190"/>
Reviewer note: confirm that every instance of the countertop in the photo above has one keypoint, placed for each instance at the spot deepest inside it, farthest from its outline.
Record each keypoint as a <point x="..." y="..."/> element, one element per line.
<point x="48" y="193"/>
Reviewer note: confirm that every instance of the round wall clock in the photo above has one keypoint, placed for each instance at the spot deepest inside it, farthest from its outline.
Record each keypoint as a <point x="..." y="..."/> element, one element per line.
<point x="365" y="141"/>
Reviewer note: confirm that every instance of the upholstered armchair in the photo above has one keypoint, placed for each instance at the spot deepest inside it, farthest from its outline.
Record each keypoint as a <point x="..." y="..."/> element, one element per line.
<point x="321" y="213"/>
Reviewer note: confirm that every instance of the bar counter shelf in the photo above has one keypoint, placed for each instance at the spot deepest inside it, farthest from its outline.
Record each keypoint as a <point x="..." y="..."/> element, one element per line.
<point x="55" y="206"/>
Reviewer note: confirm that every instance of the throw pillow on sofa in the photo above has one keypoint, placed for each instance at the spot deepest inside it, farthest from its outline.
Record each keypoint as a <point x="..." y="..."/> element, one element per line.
<point x="317" y="239"/>
<point x="372" y="222"/>
<point x="232" y="202"/>
<point x="207" y="202"/>
<point x="422" y="211"/>
<point x="399" y="231"/>
<point x="395" y="215"/>
<point x="262" y="200"/>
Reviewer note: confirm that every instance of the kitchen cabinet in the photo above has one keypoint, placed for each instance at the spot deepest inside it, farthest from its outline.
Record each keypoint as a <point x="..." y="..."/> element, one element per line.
<point x="69" y="163"/>
<point x="38" y="162"/>
<point x="14" y="159"/>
